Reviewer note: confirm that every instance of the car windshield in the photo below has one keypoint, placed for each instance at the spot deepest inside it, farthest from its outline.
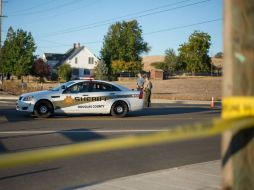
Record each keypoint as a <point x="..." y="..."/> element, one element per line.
<point x="57" y="88"/>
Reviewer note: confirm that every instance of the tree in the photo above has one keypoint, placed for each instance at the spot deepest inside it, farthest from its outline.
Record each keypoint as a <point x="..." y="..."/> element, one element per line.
<point x="160" y="65"/>
<point x="17" y="52"/>
<point x="101" y="71"/>
<point x="64" y="72"/>
<point x="194" y="53"/>
<point x="8" y="52"/>
<point x="123" y="42"/>
<point x="219" y="55"/>
<point x="171" y="60"/>
<point x="131" y="66"/>
<point x="40" y="69"/>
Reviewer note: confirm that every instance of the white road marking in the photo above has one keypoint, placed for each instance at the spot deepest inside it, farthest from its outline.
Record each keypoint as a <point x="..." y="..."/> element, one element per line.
<point x="95" y="131"/>
<point x="6" y="102"/>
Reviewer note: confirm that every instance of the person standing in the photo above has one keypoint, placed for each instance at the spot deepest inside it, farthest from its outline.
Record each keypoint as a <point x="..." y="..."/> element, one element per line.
<point x="140" y="82"/>
<point x="147" y="90"/>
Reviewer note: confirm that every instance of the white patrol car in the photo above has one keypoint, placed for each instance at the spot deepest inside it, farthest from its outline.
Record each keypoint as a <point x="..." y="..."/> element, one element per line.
<point x="82" y="96"/>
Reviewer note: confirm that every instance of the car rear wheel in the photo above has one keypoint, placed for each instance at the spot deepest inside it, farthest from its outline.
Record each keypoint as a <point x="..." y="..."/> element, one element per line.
<point x="43" y="109"/>
<point x="119" y="109"/>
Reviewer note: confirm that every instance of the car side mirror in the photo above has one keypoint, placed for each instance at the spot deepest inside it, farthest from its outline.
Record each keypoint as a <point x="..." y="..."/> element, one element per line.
<point x="63" y="87"/>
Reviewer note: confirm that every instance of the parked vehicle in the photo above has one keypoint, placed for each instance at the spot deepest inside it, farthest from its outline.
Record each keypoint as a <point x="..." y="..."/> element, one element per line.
<point x="82" y="96"/>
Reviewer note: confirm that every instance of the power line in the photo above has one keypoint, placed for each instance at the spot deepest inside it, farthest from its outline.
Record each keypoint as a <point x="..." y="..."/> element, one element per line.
<point x="66" y="13"/>
<point x="91" y="26"/>
<point x="158" y="31"/>
<point x="47" y="10"/>
<point x="184" y="26"/>
<point x="32" y="7"/>
<point x="128" y="15"/>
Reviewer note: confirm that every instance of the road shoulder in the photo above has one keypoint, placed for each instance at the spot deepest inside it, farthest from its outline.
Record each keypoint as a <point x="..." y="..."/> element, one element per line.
<point x="204" y="175"/>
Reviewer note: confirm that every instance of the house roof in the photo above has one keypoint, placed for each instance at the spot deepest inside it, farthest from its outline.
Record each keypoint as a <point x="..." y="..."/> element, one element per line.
<point x="69" y="54"/>
<point x="54" y="56"/>
<point x="73" y="52"/>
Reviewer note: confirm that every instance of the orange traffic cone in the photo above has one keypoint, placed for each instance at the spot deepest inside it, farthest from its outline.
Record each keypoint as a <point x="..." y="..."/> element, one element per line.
<point x="212" y="105"/>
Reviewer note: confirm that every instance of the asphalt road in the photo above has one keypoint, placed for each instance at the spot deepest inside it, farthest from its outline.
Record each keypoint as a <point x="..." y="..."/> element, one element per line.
<point x="20" y="132"/>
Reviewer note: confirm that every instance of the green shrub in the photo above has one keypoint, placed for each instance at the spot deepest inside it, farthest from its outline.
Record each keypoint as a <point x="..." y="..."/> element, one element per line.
<point x="64" y="72"/>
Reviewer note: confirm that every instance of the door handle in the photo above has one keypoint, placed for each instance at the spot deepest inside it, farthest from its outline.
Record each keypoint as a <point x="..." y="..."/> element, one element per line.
<point x="55" y="96"/>
<point x="85" y="95"/>
<point x="112" y="93"/>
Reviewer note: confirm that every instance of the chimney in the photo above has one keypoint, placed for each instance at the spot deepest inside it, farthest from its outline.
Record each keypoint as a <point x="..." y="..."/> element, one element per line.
<point x="76" y="45"/>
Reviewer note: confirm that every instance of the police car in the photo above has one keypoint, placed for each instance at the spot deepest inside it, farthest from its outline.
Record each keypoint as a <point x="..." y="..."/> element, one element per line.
<point x="82" y="96"/>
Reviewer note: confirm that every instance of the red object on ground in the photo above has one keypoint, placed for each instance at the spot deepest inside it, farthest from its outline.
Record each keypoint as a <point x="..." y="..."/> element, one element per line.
<point x="212" y="103"/>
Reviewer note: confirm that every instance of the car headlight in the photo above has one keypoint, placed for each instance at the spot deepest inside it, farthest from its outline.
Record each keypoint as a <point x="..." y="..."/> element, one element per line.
<point x="28" y="98"/>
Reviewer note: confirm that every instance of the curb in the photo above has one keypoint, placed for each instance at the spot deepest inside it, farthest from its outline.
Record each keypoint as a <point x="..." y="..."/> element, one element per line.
<point x="9" y="97"/>
<point x="154" y="101"/>
<point x="165" y="101"/>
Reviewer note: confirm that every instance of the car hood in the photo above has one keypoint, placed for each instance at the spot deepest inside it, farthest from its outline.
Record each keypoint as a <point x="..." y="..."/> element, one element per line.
<point x="40" y="93"/>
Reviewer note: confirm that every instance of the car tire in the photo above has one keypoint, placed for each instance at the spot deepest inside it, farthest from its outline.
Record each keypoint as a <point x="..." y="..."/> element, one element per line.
<point x="43" y="109"/>
<point x="119" y="109"/>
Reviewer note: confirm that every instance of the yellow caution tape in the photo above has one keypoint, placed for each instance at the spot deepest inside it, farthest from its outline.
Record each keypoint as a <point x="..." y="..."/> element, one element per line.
<point x="178" y="134"/>
<point x="235" y="107"/>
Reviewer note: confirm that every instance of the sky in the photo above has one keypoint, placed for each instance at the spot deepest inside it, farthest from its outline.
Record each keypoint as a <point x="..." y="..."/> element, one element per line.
<point x="57" y="24"/>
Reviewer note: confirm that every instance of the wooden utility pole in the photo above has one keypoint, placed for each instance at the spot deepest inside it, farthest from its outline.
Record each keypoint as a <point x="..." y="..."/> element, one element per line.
<point x="238" y="148"/>
<point x="0" y="24"/>
<point x="1" y="64"/>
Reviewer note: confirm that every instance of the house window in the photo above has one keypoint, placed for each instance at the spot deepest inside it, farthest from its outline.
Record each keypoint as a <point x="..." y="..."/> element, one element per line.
<point x="90" y="60"/>
<point x="86" y="72"/>
<point x="75" y="71"/>
<point x="76" y="60"/>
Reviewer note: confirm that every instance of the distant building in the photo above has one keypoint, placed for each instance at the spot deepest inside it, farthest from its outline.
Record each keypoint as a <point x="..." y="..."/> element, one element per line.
<point x="80" y="58"/>
<point x="149" y="60"/>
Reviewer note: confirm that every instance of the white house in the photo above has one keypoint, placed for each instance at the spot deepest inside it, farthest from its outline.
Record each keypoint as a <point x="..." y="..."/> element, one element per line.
<point x="80" y="58"/>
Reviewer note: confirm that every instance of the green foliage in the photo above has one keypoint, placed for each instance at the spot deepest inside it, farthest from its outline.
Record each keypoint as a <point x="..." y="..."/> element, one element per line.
<point x="219" y="55"/>
<point x="101" y="71"/>
<point x="160" y="65"/>
<point x="131" y="66"/>
<point x="170" y="64"/>
<point x="40" y="68"/>
<point x="64" y="72"/>
<point x="54" y="75"/>
<point x="123" y="42"/>
<point x="171" y="61"/>
<point x="194" y="53"/>
<point x="17" y="52"/>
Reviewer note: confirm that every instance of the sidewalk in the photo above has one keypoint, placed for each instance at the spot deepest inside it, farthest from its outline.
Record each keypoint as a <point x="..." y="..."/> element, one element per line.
<point x="205" y="176"/>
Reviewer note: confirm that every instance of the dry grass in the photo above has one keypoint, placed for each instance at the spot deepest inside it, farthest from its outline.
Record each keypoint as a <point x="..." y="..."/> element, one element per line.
<point x="15" y="87"/>
<point x="184" y="88"/>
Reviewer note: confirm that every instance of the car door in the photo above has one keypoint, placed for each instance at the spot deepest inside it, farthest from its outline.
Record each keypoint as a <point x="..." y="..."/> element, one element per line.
<point x="76" y="98"/>
<point x="103" y="93"/>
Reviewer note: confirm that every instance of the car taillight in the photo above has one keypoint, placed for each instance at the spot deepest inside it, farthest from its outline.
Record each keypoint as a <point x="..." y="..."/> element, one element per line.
<point x="141" y="94"/>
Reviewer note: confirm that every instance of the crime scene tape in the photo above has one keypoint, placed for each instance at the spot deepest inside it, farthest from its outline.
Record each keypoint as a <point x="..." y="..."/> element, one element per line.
<point x="177" y="134"/>
<point x="237" y="106"/>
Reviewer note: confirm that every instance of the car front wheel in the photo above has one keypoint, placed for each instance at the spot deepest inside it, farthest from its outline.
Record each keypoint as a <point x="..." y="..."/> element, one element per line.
<point x="119" y="109"/>
<point x="43" y="109"/>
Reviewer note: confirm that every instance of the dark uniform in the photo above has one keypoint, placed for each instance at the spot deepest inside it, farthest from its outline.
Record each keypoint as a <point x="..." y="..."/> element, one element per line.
<point x="148" y="91"/>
